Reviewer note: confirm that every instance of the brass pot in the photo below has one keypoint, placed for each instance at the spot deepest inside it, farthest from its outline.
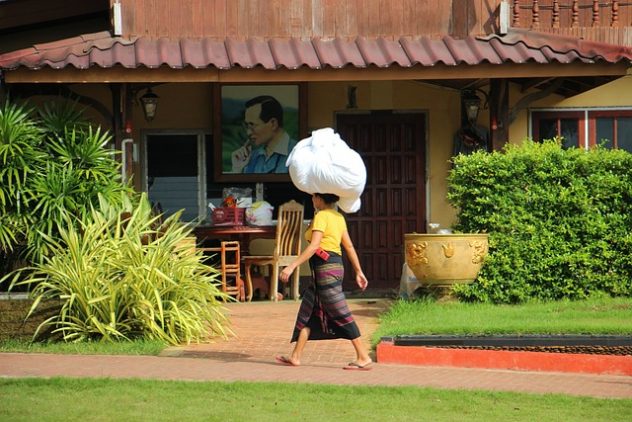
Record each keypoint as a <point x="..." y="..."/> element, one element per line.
<point x="445" y="259"/>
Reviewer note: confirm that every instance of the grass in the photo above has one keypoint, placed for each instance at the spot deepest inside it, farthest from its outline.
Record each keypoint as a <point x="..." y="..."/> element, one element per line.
<point x="601" y="315"/>
<point x="138" y="400"/>
<point x="592" y="316"/>
<point x="136" y="347"/>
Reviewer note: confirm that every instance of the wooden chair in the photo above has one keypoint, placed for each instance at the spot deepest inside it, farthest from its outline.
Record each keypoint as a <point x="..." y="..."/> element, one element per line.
<point x="230" y="267"/>
<point x="287" y="247"/>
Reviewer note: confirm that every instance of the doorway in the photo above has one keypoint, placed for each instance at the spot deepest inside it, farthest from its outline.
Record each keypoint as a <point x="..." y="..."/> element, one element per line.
<point x="392" y="146"/>
<point x="175" y="175"/>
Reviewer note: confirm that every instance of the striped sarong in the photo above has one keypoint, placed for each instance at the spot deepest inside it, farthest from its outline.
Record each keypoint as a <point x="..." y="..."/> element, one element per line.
<point x="324" y="308"/>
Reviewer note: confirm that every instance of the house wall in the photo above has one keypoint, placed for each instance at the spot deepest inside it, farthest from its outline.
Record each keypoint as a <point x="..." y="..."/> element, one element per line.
<point x="306" y="18"/>
<point x="441" y="105"/>
<point x="190" y="106"/>
<point x="617" y="93"/>
<point x="181" y="106"/>
<point x="613" y="94"/>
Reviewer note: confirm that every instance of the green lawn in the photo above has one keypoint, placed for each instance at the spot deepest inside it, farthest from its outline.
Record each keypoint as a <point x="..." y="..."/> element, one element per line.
<point x="593" y="316"/>
<point x="136" y="347"/>
<point x="140" y="400"/>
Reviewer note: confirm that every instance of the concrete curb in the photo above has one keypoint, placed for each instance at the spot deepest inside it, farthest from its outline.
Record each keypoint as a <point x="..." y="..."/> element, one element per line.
<point x="387" y="352"/>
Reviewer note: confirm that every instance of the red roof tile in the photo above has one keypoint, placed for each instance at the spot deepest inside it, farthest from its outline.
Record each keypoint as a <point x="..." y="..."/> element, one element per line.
<point x="519" y="46"/>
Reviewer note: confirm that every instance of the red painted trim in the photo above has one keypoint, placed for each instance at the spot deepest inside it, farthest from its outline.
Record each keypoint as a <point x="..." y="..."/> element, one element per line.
<point x="504" y="359"/>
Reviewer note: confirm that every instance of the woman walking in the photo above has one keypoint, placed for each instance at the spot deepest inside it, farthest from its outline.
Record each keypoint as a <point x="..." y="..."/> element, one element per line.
<point x="324" y="313"/>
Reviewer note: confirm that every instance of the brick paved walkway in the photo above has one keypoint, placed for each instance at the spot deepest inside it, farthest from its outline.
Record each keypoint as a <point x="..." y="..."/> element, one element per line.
<point x="263" y="330"/>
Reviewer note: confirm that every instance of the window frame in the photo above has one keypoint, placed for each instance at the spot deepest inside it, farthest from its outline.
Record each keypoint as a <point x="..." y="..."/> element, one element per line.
<point x="592" y="124"/>
<point x="536" y="116"/>
<point x="587" y="118"/>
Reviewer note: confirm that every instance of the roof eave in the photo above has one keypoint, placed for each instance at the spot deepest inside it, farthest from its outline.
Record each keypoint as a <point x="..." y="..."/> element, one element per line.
<point x="258" y="74"/>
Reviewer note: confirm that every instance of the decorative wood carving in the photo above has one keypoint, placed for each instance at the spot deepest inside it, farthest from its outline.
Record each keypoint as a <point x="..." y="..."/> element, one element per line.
<point x="535" y="20"/>
<point x="516" y="14"/>
<point x="595" y="8"/>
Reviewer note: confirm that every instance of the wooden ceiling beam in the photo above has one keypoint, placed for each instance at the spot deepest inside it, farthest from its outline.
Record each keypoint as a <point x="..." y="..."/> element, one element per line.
<point x="534" y="83"/>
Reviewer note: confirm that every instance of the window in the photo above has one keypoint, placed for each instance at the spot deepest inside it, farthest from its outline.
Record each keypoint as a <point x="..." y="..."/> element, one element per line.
<point x="608" y="128"/>
<point x="612" y="129"/>
<point x="174" y="172"/>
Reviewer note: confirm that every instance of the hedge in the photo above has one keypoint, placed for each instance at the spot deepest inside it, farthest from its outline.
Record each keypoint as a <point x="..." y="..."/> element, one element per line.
<point x="559" y="221"/>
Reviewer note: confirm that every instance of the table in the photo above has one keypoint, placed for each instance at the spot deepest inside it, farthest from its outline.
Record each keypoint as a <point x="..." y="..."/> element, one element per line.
<point x="243" y="234"/>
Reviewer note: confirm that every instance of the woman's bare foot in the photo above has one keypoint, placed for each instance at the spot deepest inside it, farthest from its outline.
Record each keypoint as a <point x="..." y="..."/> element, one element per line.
<point x="284" y="360"/>
<point x="365" y="361"/>
<point x="360" y="365"/>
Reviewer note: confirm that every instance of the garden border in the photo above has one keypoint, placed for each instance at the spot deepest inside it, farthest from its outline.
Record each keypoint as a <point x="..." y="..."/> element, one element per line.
<point x="389" y="351"/>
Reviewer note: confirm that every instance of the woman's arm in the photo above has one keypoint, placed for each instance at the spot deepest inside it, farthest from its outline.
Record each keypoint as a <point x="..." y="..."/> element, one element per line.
<point x="307" y="253"/>
<point x="361" y="279"/>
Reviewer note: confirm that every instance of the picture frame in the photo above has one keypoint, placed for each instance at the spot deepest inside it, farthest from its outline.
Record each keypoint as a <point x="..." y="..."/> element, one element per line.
<point x="241" y="128"/>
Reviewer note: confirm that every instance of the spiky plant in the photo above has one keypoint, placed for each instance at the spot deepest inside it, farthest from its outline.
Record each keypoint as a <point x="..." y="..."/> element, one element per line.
<point x="51" y="164"/>
<point x="20" y="155"/>
<point x="123" y="275"/>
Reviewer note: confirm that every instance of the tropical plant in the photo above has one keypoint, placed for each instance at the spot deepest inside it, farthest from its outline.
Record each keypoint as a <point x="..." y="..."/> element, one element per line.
<point x="20" y="141"/>
<point x="52" y="164"/>
<point x="123" y="274"/>
<point x="58" y="116"/>
<point x="79" y="169"/>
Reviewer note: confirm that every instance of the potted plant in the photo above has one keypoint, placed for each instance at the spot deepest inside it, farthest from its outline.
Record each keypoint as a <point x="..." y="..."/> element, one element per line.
<point x="441" y="260"/>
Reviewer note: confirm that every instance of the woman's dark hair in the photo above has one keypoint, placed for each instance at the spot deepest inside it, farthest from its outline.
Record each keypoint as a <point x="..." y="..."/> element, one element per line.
<point x="329" y="198"/>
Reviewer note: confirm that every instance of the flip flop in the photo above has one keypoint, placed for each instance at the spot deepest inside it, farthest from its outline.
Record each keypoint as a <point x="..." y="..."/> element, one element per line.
<point x="353" y="366"/>
<point x="284" y="361"/>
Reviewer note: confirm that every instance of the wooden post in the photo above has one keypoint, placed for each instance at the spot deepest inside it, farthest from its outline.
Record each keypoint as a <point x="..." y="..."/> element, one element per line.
<point x="556" y="14"/>
<point x="128" y="102"/>
<point x="615" y="13"/>
<point x="516" y="14"/>
<point x="498" y="113"/>
<point x="575" y="10"/>
<point x="117" y="123"/>
<point x="595" y="8"/>
<point x="535" y="21"/>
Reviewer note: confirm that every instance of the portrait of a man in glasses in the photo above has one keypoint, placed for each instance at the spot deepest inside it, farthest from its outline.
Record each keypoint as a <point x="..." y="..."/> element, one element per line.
<point x="268" y="144"/>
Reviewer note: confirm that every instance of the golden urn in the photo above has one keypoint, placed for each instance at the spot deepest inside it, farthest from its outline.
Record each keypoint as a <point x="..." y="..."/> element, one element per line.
<point x="445" y="259"/>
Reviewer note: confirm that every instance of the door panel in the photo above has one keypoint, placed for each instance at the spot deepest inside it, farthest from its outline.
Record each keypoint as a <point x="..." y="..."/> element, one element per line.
<point x="393" y="202"/>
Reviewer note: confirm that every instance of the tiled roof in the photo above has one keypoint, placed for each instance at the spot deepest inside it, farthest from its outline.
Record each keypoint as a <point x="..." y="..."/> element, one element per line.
<point x="103" y="50"/>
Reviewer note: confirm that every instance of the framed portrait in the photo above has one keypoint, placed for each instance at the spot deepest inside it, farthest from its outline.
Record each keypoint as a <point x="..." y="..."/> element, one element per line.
<point x="257" y="125"/>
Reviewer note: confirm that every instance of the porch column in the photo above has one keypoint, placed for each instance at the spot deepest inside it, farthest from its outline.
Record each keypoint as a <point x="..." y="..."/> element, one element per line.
<point x="117" y="118"/>
<point x="498" y="113"/>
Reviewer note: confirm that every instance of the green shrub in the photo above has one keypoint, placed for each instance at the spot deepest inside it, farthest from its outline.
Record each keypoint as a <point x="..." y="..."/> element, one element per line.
<point x="52" y="164"/>
<point x="560" y="221"/>
<point x="122" y="274"/>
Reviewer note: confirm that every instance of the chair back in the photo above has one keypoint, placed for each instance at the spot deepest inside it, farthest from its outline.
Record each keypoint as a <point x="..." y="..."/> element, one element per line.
<point x="230" y="268"/>
<point x="289" y="230"/>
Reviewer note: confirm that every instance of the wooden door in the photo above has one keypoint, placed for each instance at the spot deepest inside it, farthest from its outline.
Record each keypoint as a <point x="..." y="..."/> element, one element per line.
<point x="393" y="202"/>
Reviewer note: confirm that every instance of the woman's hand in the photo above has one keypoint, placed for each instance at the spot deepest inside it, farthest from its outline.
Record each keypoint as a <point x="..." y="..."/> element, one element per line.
<point x="361" y="281"/>
<point x="286" y="273"/>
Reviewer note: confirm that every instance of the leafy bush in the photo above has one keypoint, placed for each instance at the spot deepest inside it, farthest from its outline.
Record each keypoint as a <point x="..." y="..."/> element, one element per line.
<point x="123" y="275"/>
<point x="52" y="164"/>
<point x="560" y="221"/>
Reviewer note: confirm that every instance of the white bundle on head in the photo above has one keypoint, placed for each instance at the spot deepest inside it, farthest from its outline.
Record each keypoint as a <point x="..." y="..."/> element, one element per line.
<point x="324" y="163"/>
